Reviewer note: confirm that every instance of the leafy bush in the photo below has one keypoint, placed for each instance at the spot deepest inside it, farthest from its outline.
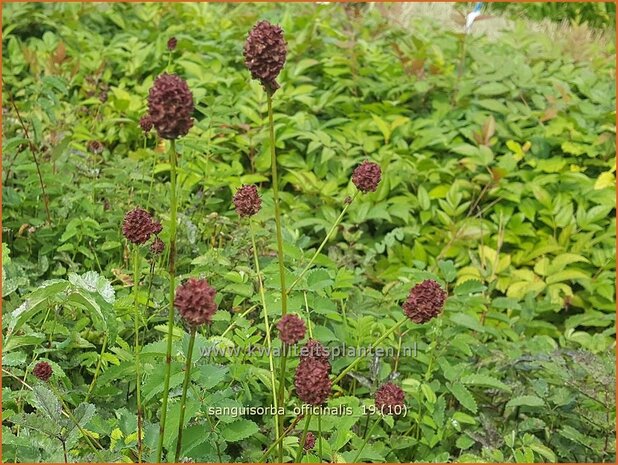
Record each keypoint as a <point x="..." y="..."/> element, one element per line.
<point x="498" y="181"/>
<point x="595" y="14"/>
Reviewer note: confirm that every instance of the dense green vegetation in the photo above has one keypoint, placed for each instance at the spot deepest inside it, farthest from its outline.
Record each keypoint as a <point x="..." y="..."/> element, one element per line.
<point x="498" y="162"/>
<point x="595" y="14"/>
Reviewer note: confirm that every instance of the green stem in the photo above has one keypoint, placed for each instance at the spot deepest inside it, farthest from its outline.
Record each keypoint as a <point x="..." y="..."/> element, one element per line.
<point x="317" y="252"/>
<point x="303" y="438"/>
<point x="275" y="181"/>
<point x="374" y="345"/>
<point x="97" y="369"/>
<point x="366" y="439"/>
<point x="284" y="294"/>
<point x="281" y="395"/>
<point x="152" y="174"/>
<point x="432" y="346"/>
<point x="138" y="375"/>
<point x="75" y="422"/>
<point x="170" y="321"/>
<point x="309" y="326"/>
<point x="320" y="436"/>
<point x="276" y="443"/>
<point x="271" y="362"/>
<point x="183" y="399"/>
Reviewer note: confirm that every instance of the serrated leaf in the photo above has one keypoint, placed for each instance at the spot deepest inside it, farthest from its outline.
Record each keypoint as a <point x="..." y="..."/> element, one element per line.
<point x="34" y="303"/>
<point x="463" y="396"/>
<point x="484" y="380"/>
<point x="83" y="414"/>
<point x="239" y="430"/>
<point x="46" y="402"/>
<point x="528" y="401"/>
<point x="544" y="451"/>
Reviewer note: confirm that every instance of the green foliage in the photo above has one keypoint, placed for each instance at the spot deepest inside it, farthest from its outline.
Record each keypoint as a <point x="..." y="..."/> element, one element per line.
<point x="596" y="14"/>
<point x="498" y="181"/>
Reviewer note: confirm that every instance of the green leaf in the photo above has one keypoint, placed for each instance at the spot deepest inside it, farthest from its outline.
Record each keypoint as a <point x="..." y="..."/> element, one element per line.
<point x="208" y="376"/>
<point x="38" y="300"/>
<point x="239" y="430"/>
<point x="484" y="380"/>
<point x="567" y="275"/>
<point x="544" y="451"/>
<point x="46" y="402"/>
<point x="528" y="401"/>
<point x="83" y="414"/>
<point x="463" y="396"/>
<point x="467" y="321"/>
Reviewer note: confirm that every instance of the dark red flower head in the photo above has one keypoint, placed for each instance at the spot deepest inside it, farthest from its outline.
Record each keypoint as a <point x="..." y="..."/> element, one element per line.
<point x="171" y="43"/>
<point x="291" y="329"/>
<point x="425" y="301"/>
<point x="95" y="146"/>
<point x="265" y="52"/>
<point x="157" y="246"/>
<point x="170" y="106"/>
<point x="42" y="370"/>
<point x="309" y="441"/>
<point x="195" y="301"/>
<point x="366" y="176"/>
<point x="247" y="201"/>
<point x="312" y="382"/>
<point x="145" y="123"/>
<point x="388" y="397"/>
<point x="314" y="349"/>
<point x="139" y="225"/>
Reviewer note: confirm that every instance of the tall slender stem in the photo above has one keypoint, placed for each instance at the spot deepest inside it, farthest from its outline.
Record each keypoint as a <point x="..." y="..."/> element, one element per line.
<point x="301" y="444"/>
<point x="97" y="369"/>
<point x="281" y="438"/>
<point x="275" y="181"/>
<point x="64" y="450"/>
<point x="33" y="150"/>
<point x="284" y="293"/>
<point x="320" y="436"/>
<point x="281" y="395"/>
<point x="358" y="453"/>
<point x="183" y="399"/>
<point x="267" y="330"/>
<point x="375" y="344"/>
<point x="170" y="320"/>
<point x="76" y="423"/>
<point x="138" y="374"/>
<point x="317" y="252"/>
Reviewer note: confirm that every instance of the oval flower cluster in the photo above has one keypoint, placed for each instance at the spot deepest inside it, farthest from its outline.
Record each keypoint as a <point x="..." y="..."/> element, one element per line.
<point x="42" y="371"/>
<point x="139" y="225"/>
<point x="291" y="329"/>
<point x="265" y="53"/>
<point x="367" y="176"/>
<point x="247" y="201"/>
<point x="425" y="301"/>
<point x="195" y="301"/>
<point x="170" y="107"/>
<point x="311" y="380"/>
<point x="389" y="398"/>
